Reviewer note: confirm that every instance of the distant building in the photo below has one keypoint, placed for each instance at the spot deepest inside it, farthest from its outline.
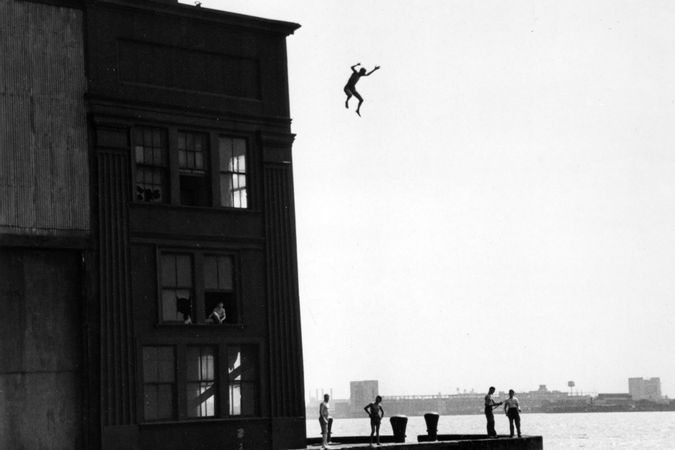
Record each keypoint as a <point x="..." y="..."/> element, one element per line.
<point x="645" y="389"/>
<point x="361" y="393"/>
<point x="613" y="400"/>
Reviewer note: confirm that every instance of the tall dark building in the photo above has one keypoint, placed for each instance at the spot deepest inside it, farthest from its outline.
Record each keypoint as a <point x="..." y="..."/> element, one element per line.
<point x="148" y="269"/>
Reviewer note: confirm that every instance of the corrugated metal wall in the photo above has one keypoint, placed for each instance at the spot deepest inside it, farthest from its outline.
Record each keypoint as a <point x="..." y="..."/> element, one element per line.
<point x="44" y="177"/>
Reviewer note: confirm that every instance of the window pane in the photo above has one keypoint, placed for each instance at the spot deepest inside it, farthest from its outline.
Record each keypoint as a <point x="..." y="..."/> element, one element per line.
<point x="150" y="156"/>
<point x="168" y="270"/>
<point x="201" y="399"/>
<point x="201" y="389"/>
<point x="242" y="379"/>
<point x="158" y="401"/>
<point x="150" y="401"/>
<point x="176" y="305"/>
<point x="149" y="364"/>
<point x="218" y="272"/>
<point x="139" y="153"/>
<point x="210" y="272"/>
<point x="158" y="364"/>
<point x="235" y="400"/>
<point x="232" y="153"/>
<point x="184" y="270"/>
<point x="158" y="379"/>
<point x="226" y="190"/>
<point x="165" y="365"/>
<point x="249" y="399"/>
<point x="234" y="362"/>
<point x="225" y="272"/>
<point x="225" y="152"/>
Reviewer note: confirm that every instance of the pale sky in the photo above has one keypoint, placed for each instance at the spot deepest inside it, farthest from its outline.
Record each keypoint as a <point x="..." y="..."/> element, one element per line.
<point x="504" y="211"/>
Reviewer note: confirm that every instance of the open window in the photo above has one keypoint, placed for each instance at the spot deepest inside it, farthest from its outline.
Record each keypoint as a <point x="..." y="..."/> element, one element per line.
<point x="177" y="302"/>
<point x="198" y="288"/>
<point x="193" y="168"/>
<point x="219" y="289"/>
<point x="151" y="165"/>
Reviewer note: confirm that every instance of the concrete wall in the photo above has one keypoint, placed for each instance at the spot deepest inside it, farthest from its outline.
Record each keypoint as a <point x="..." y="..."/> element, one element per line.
<point x="40" y="350"/>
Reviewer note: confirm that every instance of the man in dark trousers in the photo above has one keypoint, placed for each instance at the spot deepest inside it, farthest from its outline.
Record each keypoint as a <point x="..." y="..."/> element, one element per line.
<point x="512" y="409"/>
<point x="489" y="415"/>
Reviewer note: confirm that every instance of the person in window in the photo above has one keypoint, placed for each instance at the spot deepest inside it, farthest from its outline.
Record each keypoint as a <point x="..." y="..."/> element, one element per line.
<point x="350" y="87"/>
<point x="489" y="415"/>
<point x="376" y="413"/>
<point x="325" y="420"/>
<point x="184" y="306"/>
<point x="512" y="410"/>
<point x="218" y="314"/>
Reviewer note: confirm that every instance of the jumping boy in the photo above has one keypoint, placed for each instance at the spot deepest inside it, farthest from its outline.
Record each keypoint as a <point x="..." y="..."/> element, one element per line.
<point x="350" y="87"/>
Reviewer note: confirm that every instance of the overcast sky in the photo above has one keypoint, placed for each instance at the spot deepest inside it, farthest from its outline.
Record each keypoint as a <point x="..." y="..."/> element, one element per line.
<point x="504" y="211"/>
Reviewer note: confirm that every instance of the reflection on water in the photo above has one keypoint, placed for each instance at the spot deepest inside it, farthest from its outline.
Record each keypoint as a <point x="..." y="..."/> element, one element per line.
<point x="590" y="431"/>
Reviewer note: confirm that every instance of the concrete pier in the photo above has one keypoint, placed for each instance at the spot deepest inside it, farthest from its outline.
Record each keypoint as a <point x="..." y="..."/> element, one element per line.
<point x="445" y="441"/>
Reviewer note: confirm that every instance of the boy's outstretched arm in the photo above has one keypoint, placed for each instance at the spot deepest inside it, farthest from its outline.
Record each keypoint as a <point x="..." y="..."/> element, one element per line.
<point x="376" y="67"/>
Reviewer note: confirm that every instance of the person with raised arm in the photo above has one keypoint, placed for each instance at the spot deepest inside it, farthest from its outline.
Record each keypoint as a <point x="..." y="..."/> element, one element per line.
<point x="489" y="415"/>
<point x="350" y="87"/>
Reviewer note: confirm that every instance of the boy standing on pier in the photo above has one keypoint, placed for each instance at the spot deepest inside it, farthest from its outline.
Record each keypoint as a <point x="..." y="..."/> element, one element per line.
<point x="376" y="414"/>
<point x="512" y="410"/>
<point x="489" y="415"/>
<point x="325" y="420"/>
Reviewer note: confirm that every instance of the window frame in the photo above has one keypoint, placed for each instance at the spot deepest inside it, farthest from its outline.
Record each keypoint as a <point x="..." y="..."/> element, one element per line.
<point x="222" y="385"/>
<point x="172" y="170"/>
<point x="135" y="166"/>
<point x="199" y="290"/>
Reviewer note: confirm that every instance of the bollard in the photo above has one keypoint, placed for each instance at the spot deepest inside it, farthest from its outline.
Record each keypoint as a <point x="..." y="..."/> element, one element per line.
<point x="398" y="425"/>
<point x="432" y="425"/>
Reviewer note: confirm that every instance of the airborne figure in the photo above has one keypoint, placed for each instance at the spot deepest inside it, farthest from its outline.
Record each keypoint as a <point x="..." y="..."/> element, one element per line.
<point x="350" y="87"/>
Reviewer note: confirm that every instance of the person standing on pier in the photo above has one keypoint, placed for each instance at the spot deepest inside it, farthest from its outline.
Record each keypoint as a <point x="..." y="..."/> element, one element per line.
<point x="376" y="413"/>
<point x="325" y="420"/>
<point x="512" y="410"/>
<point x="489" y="415"/>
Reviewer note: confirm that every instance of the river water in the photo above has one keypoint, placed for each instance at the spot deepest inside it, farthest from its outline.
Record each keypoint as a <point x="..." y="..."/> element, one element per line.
<point x="589" y="431"/>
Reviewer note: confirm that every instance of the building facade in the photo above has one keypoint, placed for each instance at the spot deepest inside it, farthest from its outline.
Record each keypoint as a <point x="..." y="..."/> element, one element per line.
<point x="147" y="229"/>
<point x="645" y="389"/>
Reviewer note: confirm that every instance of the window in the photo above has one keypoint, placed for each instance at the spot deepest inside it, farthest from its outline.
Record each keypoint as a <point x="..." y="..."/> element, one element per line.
<point x="158" y="383"/>
<point x="201" y="382"/>
<point x="187" y="382"/>
<point x="195" y="285"/>
<point x="150" y="156"/>
<point x="242" y="380"/>
<point x="178" y="167"/>
<point x="193" y="168"/>
<point x="218" y="287"/>
<point x="177" y="292"/>
<point x="232" y="157"/>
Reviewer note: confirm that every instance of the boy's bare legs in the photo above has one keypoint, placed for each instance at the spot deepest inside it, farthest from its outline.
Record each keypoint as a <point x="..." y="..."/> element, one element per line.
<point x="349" y="95"/>
<point x="358" y="108"/>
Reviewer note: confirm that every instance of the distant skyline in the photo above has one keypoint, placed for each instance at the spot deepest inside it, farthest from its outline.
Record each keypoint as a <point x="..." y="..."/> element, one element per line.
<point x="504" y="211"/>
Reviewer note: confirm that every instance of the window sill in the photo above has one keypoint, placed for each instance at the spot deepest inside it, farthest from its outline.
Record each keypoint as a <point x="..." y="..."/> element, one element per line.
<point x="211" y="209"/>
<point x="201" y="326"/>
<point x="200" y="420"/>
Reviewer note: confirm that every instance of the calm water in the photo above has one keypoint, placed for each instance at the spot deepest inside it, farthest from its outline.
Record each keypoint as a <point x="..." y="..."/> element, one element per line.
<point x="593" y="431"/>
